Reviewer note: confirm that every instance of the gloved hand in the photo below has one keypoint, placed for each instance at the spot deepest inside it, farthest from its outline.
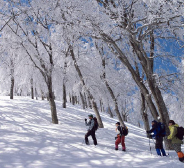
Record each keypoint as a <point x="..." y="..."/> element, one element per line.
<point x="147" y="132"/>
<point x="85" y="119"/>
<point x="150" y="137"/>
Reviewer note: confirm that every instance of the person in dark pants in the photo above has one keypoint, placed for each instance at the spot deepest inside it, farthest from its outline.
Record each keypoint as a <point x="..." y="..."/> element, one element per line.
<point x="91" y="130"/>
<point x="159" y="139"/>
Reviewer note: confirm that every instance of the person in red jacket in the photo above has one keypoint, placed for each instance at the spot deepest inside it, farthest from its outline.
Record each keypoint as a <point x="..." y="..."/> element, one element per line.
<point x="120" y="138"/>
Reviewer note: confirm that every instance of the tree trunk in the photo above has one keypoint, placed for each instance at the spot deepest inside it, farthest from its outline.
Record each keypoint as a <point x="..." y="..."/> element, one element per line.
<point x="36" y="95"/>
<point x="12" y="80"/>
<point x="73" y="100"/>
<point x="52" y="102"/>
<point x="124" y="117"/>
<point x="53" y="111"/>
<point x="109" y="111"/>
<point x="101" y="106"/>
<point x="82" y="99"/>
<point x="115" y="102"/>
<point x="42" y="95"/>
<point x="124" y="113"/>
<point x="11" y="87"/>
<point x="76" y="100"/>
<point x="147" y="65"/>
<point x="70" y="99"/>
<point x="139" y="125"/>
<point x="64" y="96"/>
<point x="144" y="114"/>
<point x="21" y="92"/>
<point x="163" y="113"/>
<point x="148" y="69"/>
<point x="32" y="92"/>
<point x="89" y="102"/>
<point x="85" y="100"/>
<point x="45" y="70"/>
<point x="95" y="108"/>
<point x="64" y="85"/>
<point x="111" y="93"/>
<point x="122" y="57"/>
<point x="94" y="105"/>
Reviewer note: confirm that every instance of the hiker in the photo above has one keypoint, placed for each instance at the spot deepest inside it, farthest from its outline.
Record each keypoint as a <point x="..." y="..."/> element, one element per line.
<point x="176" y="142"/>
<point x="156" y="129"/>
<point x="120" y="138"/>
<point x="91" y="130"/>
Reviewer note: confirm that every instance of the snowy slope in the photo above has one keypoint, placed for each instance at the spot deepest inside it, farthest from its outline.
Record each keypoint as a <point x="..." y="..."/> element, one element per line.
<point x="29" y="140"/>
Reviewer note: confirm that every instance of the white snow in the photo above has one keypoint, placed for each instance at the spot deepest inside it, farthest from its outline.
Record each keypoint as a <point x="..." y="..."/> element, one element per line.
<point x="29" y="140"/>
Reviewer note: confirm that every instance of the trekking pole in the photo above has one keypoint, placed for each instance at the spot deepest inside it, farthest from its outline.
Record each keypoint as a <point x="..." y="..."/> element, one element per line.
<point x="121" y="140"/>
<point x="165" y="138"/>
<point x="150" y="147"/>
<point x="83" y="142"/>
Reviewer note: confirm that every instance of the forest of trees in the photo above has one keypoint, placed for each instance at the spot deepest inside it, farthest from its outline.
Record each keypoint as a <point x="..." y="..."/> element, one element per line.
<point x="122" y="57"/>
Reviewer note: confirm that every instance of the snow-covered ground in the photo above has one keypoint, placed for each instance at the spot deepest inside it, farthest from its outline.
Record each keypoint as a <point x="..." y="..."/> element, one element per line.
<point x="29" y="140"/>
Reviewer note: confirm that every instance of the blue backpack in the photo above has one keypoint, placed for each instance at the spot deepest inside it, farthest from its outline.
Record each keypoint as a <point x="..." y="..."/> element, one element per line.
<point x="161" y="129"/>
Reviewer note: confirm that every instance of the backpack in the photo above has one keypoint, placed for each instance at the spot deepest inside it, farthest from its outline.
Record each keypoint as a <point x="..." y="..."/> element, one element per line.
<point x="123" y="131"/>
<point x="180" y="133"/>
<point x="161" y="129"/>
<point x="95" y="124"/>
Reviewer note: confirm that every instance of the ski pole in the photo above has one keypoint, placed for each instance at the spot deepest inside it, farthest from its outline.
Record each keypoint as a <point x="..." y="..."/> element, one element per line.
<point x="150" y="147"/>
<point x="83" y="142"/>
<point x="121" y="140"/>
<point x="165" y="138"/>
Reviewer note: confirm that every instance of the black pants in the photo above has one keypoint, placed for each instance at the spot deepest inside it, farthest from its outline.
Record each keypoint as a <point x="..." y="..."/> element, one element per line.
<point x="159" y="146"/>
<point x="92" y="133"/>
<point x="159" y="143"/>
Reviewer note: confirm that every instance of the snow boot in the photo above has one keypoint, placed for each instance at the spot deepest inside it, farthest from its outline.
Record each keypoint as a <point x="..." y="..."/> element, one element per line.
<point x="95" y="142"/>
<point x="123" y="149"/>
<point x="181" y="156"/>
<point x="87" y="142"/>
<point x="163" y="152"/>
<point x="158" y="152"/>
<point x="181" y="160"/>
<point x="116" y="147"/>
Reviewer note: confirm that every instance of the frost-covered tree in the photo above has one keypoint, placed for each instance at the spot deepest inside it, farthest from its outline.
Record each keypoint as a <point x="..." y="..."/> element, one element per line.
<point x="34" y="32"/>
<point x="131" y="30"/>
<point x="112" y="52"/>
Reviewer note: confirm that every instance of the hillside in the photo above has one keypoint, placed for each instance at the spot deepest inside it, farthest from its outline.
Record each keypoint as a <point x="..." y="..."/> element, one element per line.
<point x="29" y="140"/>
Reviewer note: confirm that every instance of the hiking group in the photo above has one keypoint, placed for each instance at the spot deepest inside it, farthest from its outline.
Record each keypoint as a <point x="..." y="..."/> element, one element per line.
<point x="175" y="136"/>
<point x="158" y="130"/>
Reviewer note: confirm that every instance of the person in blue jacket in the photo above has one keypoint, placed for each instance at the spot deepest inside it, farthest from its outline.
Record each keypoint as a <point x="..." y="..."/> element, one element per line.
<point x="159" y="139"/>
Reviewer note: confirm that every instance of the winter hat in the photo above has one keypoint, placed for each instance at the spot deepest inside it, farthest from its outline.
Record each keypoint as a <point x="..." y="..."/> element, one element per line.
<point x="171" y="121"/>
<point x="118" y="123"/>
<point x="154" y="121"/>
<point x="90" y="115"/>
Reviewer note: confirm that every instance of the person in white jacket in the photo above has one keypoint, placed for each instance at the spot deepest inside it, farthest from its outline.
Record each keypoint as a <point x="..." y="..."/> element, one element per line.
<point x="91" y="130"/>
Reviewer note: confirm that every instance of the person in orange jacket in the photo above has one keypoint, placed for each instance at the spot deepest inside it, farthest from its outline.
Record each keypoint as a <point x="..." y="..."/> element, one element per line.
<point x="120" y="138"/>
